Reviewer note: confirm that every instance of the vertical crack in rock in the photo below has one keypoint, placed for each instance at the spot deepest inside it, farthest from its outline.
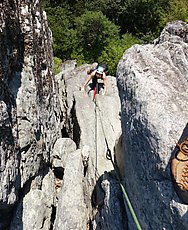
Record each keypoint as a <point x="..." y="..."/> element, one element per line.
<point x="66" y="123"/>
<point x="53" y="216"/>
<point x="85" y="167"/>
<point x="64" y="132"/>
<point x="90" y="166"/>
<point x="75" y="125"/>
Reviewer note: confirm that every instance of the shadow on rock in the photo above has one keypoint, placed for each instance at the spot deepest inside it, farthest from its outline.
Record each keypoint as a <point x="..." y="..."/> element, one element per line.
<point x="108" y="204"/>
<point x="11" y="64"/>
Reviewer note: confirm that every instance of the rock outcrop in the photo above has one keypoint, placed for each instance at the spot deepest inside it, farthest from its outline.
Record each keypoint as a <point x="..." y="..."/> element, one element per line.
<point x="54" y="171"/>
<point x="153" y="87"/>
<point x="30" y="112"/>
<point x="90" y="197"/>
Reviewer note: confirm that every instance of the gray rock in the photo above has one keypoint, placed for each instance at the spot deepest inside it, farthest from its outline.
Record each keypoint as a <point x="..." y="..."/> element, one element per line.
<point x="92" y="128"/>
<point x="45" y="183"/>
<point x="108" y="198"/>
<point x="74" y="205"/>
<point x="35" y="208"/>
<point x="71" y="210"/>
<point x="30" y="116"/>
<point x="90" y="125"/>
<point x="62" y="147"/>
<point x="96" y="126"/>
<point x="152" y="82"/>
<point x="68" y="65"/>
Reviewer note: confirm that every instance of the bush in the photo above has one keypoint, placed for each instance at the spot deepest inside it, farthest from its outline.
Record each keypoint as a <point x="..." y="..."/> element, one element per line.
<point x="57" y="63"/>
<point x="178" y="10"/>
<point x="64" y="37"/>
<point x="114" y="51"/>
<point x="94" y="32"/>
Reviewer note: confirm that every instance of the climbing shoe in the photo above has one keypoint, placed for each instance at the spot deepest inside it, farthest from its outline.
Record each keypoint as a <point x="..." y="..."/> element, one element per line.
<point x="179" y="170"/>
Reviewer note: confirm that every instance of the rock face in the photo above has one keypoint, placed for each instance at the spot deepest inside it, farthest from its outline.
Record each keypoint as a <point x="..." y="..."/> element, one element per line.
<point x="54" y="138"/>
<point x="153" y="87"/>
<point x="29" y="111"/>
<point x="54" y="171"/>
<point x="88" y="174"/>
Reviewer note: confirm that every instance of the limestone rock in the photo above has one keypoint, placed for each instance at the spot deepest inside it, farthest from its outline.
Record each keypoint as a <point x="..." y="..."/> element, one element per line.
<point x="71" y="211"/>
<point x="110" y="205"/>
<point x="152" y="82"/>
<point x="92" y="124"/>
<point x="62" y="147"/>
<point x="68" y="65"/>
<point x="94" y="128"/>
<point x="36" y="111"/>
<point x="35" y="208"/>
<point x="30" y="117"/>
<point x="54" y="171"/>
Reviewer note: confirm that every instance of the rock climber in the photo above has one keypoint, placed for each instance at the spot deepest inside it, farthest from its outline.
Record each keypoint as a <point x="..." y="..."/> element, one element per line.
<point x="96" y="75"/>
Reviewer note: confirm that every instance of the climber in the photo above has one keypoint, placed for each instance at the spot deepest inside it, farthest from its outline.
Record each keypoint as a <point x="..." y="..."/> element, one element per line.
<point x="97" y="74"/>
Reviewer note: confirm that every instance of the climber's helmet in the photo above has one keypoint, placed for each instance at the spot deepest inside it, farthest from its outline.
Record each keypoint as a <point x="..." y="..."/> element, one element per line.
<point x="100" y="70"/>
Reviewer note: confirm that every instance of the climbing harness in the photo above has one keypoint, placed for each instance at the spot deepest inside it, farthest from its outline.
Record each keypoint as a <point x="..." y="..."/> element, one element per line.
<point x="109" y="157"/>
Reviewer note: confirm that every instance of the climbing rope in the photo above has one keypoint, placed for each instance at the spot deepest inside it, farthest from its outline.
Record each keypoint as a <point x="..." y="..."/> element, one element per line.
<point x="108" y="152"/>
<point x="96" y="144"/>
<point x="94" y="99"/>
<point x="109" y="157"/>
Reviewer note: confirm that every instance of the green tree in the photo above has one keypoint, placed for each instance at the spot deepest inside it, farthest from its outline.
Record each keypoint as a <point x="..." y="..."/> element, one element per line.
<point x="94" y="32"/>
<point x="64" y="36"/>
<point x="114" y="51"/>
<point x="110" y="8"/>
<point x="56" y="3"/>
<point x="57" y="63"/>
<point x="90" y="30"/>
<point x="177" y="10"/>
<point x="142" y="17"/>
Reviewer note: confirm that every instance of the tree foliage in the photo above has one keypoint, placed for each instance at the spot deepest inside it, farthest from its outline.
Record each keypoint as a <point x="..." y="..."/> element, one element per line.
<point x="110" y="8"/>
<point x="94" y="32"/>
<point x="64" y="36"/>
<point x="177" y="10"/>
<point x="115" y="49"/>
<point x="101" y="30"/>
<point x="57" y="63"/>
<point x="142" y="17"/>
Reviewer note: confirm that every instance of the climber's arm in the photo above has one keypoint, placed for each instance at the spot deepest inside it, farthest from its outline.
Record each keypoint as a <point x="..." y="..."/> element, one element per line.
<point x="90" y="76"/>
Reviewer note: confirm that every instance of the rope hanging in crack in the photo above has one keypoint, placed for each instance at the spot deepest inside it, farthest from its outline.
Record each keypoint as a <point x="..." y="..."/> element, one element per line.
<point x="109" y="157"/>
<point x="95" y="138"/>
<point x="96" y="144"/>
<point x="108" y="151"/>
